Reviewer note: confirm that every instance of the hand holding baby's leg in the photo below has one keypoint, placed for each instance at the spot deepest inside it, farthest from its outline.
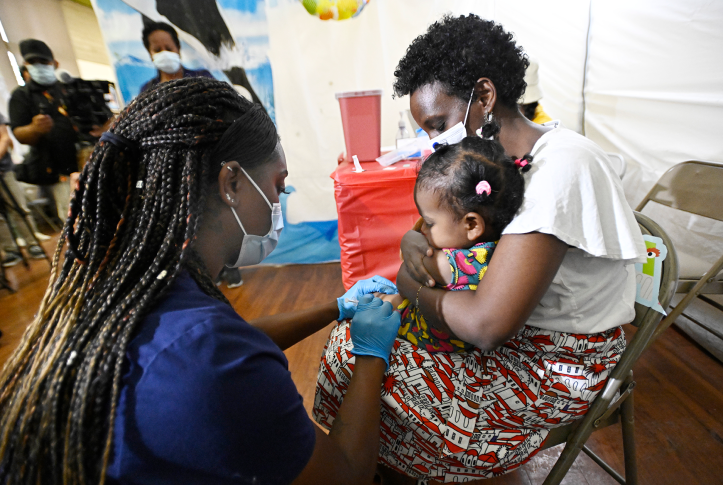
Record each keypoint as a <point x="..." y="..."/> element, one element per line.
<point x="395" y="299"/>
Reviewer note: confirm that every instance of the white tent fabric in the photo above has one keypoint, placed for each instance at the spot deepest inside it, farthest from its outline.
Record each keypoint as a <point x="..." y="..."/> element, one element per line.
<point x="653" y="88"/>
<point x="654" y="93"/>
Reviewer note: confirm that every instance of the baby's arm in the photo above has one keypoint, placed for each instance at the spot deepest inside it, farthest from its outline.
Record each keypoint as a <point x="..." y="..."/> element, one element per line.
<point x="438" y="267"/>
<point x="396" y="299"/>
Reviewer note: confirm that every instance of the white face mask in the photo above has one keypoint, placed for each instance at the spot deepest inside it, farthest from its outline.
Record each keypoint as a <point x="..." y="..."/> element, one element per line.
<point x="168" y="62"/>
<point x="254" y="249"/>
<point x="455" y="134"/>
<point x="43" y="74"/>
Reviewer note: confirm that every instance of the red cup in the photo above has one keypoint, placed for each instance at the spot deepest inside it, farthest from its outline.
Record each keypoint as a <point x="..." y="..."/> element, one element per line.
<point x="361" y="117"/>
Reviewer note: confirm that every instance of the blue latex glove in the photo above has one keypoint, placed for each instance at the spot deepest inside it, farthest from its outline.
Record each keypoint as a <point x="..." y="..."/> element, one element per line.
<point x="374" y="328"/>
<point x="377" y="284"/>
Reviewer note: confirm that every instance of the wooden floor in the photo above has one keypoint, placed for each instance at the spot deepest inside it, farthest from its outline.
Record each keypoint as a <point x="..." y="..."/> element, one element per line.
<point x="679" y="396"/>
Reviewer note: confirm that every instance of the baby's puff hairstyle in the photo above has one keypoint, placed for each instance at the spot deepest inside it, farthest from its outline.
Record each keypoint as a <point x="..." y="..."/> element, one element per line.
<point x="454" y="172"/>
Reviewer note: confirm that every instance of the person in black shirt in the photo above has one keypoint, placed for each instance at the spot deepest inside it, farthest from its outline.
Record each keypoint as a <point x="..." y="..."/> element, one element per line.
<point x="39" y="118"/>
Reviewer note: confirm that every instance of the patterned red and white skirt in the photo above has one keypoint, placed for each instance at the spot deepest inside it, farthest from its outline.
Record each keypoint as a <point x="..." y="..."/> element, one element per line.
<point x="451" y="416"/>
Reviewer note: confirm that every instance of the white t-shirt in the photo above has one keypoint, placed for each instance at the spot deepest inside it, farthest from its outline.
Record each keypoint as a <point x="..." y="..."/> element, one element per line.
<point x="572" y="193"/>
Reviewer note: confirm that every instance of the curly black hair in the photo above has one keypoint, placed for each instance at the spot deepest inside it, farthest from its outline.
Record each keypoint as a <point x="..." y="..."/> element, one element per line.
<point x="457" y="51"/>
<point x="454" y="171"/>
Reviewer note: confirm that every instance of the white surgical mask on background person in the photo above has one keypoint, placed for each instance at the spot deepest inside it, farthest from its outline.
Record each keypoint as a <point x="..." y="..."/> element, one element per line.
<point x="254" y="249"/>
<point x="43" y="74"/>
<point x="455" y="134"/>
<point x="166" y="61"/>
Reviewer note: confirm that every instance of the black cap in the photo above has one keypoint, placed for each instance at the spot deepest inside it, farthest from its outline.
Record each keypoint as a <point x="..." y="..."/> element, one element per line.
<point x="35" y="49"/>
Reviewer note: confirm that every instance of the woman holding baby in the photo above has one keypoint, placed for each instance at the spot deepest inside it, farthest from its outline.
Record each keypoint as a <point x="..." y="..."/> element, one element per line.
<point x="528" y="342"/>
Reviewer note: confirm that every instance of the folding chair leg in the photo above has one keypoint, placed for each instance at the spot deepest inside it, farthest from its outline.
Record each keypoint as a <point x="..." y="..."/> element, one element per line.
<point x="610" y="470"/>
<point x="627" y="420"/>
<point x="563" y="464"/>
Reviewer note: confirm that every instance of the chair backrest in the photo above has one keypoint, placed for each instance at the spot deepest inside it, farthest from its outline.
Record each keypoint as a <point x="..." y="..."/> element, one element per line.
<point x="693" y="187"/>
<point x="618" y="163"/>
<point x="647" y="316"/>
<point x="646" y="319"/>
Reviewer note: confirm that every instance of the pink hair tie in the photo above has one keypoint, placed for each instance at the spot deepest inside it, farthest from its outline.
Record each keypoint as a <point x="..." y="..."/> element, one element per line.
<point x="521" y="163"/>
<point x="483" y="188"/>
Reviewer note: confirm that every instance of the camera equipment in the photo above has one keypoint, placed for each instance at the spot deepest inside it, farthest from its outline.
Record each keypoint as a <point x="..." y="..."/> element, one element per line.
<point x="87" y="103"/>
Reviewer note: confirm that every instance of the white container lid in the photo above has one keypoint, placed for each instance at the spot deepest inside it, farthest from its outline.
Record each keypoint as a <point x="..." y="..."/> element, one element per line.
<point x="358" y="94"/>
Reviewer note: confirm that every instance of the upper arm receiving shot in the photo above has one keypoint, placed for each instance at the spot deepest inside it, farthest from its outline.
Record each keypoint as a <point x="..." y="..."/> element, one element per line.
<point x="438" y="266"/>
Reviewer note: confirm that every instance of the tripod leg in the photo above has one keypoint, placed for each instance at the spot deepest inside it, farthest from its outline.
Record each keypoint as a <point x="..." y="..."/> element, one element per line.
<point x="23" y="215"/>
<point x="13" y="234"/>
<point x="47" y="220"/>
<point x="4" y="283"/>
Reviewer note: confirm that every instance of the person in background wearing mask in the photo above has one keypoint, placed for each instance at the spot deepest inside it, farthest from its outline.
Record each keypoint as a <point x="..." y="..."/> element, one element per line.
<point x="161" y="42"/>
<point x="39" y="118"/>
<point x="529" y="102"/>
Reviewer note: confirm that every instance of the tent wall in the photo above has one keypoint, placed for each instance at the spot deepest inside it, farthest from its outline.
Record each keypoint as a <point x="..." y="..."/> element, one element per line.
<point x="654" y="93"/>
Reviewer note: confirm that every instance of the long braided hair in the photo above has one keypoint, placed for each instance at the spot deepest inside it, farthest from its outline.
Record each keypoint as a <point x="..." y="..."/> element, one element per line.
<point x="129" y="233"/>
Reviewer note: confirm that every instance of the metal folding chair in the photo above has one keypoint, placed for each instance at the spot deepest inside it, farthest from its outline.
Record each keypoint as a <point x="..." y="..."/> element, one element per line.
<point x="697" y="188"/>
<point x="606" y="410"/>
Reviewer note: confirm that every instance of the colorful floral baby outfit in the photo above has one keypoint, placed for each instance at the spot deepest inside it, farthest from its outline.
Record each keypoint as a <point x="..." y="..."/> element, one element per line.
<point x="468" y="267"/>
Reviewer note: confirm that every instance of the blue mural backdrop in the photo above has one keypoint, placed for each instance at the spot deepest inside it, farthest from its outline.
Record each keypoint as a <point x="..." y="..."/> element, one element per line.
<point x="246" y="45"/>
<point x="217" y="35"/>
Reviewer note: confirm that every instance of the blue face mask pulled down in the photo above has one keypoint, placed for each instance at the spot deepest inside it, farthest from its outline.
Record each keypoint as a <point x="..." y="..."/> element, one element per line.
<point x="455" y="134"/>
<point x="43" y="74"/>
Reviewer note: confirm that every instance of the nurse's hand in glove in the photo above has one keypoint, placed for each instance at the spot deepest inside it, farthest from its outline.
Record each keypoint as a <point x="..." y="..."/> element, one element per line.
<point x="348" y="303"/>
<point x="374" y="328"/>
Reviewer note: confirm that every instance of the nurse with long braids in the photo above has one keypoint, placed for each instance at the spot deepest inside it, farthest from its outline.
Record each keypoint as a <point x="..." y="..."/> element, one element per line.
<point x="136" y="368"/>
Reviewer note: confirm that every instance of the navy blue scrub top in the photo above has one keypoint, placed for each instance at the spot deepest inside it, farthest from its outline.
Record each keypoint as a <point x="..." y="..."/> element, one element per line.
<point x="206" y="399"/>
